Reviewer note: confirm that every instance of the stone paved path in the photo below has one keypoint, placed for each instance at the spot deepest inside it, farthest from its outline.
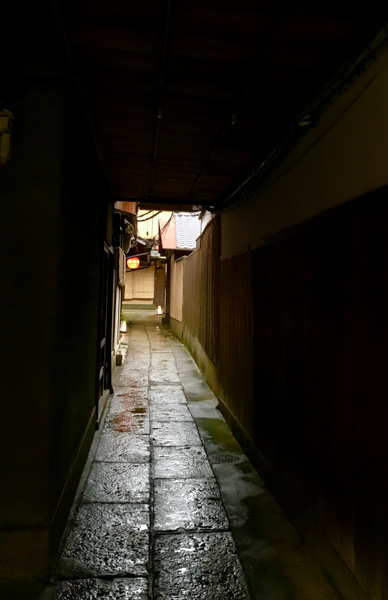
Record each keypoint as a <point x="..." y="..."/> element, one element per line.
<point x="149" y="522"/>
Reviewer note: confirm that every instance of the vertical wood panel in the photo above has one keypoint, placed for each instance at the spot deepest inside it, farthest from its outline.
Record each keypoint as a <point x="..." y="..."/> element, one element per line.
<point x="302" y="360"/>
<point x="236" y="338"/>
<point x="321" y="376"/>
<point x="201" y="291"/>
<point x="369" y="268"/>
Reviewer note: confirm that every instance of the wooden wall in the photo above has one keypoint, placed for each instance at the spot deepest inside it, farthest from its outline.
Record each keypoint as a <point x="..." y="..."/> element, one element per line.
<point x="201" y="291"/>
<point x="298" y="329"/>
<point x="236" y="338"/>
<point x="321" y="376"/>
<point x="56" y="199"/>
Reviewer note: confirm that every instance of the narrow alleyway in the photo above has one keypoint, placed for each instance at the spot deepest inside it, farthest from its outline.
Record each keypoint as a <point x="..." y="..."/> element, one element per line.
<point x="169" y="507"/>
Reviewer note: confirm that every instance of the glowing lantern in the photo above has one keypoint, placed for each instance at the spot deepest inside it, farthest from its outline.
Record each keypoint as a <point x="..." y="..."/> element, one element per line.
<point x="133" y="263"/>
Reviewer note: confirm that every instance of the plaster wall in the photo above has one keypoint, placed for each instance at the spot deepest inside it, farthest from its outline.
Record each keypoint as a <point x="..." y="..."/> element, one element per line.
<point x="343" y="158"/>
<point x="140" y="285"/>
<point x="176" y="282"/>
<point x="206" y="217"/>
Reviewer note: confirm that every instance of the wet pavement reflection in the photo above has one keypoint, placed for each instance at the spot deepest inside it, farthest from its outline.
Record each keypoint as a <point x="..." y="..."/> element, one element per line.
<point x="169" y="506"/>
<point x="150" y="521"/>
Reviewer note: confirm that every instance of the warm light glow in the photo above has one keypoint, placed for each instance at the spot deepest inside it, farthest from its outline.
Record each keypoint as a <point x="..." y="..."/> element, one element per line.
<point x="133" y="263"/>
<point x="160" y="312"/>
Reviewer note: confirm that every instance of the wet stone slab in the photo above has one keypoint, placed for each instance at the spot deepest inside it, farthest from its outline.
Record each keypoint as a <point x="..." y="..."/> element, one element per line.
<point x="160" y="375"/>
<point x="196" y="389"/>
<point x="158" y="340"/>
<point x="133" y="421"/>
<point x="136" y="367"/>
<point x="188" y="504"/>
<point x="128" y="411"/>
<point x="139" y="364"/>
<point x="117" y="482"/>
<point x="138" y="349"/>
<point x="133" y="378"/>
<point x="162" y="359"/>
<point x="191" y="376"/>
<point x="170" y="412"/>
<point x="166" y="368"/>
<point x="141" y="343"/>
<point x="134" y="517"/>
<point x="186" y="361"/>
<point x="177" y="463"/>
<point x="187" y="365"/>
<point x="161" y="347"/>
<point x="131" y="396"/>
<point x="175" y="434"/>
<point x="156" y="332"/>
<point x="167" y="395"/>
<point x="180" y="352"/>
<point x="141" y="346"/>
<point x="106" y="541"/>
<point x="202" y="566"/>
<point x="116" y="447"/>
<point x="95" y="589"/>
<point x="138" y="333"/>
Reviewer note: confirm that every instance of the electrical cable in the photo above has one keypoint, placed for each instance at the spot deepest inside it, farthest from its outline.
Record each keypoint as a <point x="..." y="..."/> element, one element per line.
<point x="150" y="217"/>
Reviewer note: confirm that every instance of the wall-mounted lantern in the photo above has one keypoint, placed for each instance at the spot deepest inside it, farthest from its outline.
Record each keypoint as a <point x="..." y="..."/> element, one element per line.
<point x="6" y="122"/>
<point x="133" y="262"/>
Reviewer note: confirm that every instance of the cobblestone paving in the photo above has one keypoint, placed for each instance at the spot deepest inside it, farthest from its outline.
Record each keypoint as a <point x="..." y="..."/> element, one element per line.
<point x="150" y="522"/>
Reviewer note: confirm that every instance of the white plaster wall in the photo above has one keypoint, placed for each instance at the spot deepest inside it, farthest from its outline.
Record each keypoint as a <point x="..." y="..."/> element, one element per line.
<point x="176" y="299"/>
<point x="205" y="220"/>
<point x="140" y="285"/>
<point x="345" y="157"/>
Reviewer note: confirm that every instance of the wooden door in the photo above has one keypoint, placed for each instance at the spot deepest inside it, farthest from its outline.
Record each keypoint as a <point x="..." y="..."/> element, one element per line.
<point x="159" y="287"/>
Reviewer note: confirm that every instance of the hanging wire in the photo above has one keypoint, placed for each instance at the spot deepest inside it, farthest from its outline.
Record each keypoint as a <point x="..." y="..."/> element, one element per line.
<point x="150" y="217"/>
